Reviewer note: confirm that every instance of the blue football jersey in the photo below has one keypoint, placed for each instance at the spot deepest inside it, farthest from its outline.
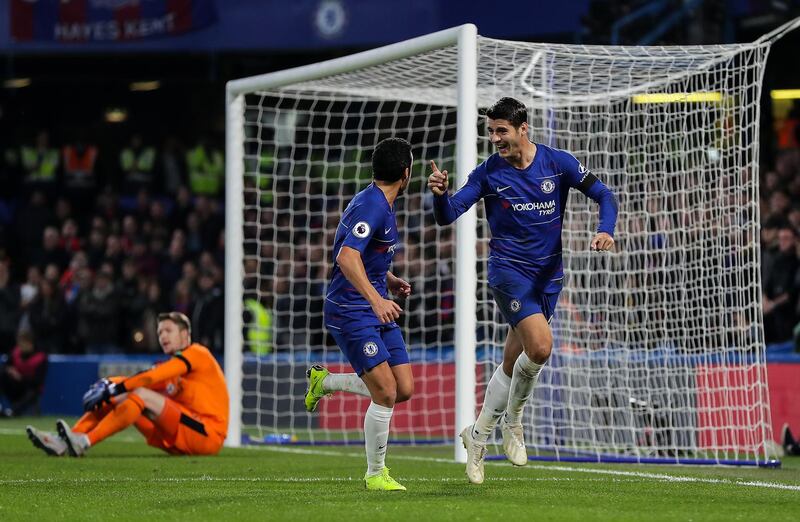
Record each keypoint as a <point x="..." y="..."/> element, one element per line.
<point x="368" y="225"/>
<point x="525" y="208"/>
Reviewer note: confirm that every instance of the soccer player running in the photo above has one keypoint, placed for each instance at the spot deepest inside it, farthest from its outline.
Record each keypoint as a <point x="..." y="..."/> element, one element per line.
<point x="360" y="316"/>
<point x="524" y="187"/>
<point x="180" y="406"/>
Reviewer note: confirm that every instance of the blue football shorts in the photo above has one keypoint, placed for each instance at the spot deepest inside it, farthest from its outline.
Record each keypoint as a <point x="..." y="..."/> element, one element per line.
<point x="520" y="298"/>
<point x="367" y="347"/>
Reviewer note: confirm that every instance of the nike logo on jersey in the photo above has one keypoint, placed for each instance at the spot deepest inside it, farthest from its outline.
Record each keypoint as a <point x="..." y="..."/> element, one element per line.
<point x="386" y="231"/>
<point x="502" y="189"/>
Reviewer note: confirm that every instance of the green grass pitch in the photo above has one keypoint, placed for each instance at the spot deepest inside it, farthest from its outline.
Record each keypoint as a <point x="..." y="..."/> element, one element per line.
<point x="123" y="479"/>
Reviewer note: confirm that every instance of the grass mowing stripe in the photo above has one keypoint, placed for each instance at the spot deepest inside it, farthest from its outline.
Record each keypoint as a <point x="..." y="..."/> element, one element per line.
<point x="662" y="477"/>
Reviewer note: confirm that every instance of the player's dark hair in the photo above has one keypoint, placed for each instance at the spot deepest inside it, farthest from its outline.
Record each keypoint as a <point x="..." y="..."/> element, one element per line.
<point x="178" y="318"/>
<point x="390" y="159"/>
<point x="508" y="109"/>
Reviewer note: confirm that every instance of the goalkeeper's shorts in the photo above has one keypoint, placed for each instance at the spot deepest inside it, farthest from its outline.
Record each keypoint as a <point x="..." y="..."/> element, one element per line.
<point x="180" y="432"/>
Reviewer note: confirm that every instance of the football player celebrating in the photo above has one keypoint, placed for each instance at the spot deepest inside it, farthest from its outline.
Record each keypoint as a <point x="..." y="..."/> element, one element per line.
<point x="524" y="186"/>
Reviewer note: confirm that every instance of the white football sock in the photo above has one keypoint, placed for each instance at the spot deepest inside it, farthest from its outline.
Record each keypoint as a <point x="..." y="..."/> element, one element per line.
<point x="526" y="373"/>
<point x="346" y="382"/>
<point x="494" y="404"/>
<point x="376" y="436"/>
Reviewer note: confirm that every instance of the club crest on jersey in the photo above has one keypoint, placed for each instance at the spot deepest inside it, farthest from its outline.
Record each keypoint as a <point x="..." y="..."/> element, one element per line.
<point x="370" y="348"/>
<point x="548" y="186"/>
<point x="515" y="305"/>
<point x="361" y="229"/>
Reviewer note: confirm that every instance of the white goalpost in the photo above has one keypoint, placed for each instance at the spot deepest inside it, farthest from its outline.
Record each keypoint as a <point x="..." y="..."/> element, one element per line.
<point x="658" y="347"/>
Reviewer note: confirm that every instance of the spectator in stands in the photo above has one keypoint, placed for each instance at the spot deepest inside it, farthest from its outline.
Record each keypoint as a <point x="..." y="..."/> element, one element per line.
<point x="51" y="250"/>
<point x="208" y="312"/>
<point x="172" y="265"/>
<point x="211" y="222"/>
<point x="155" y="304"/>
<point x="98" y="316"/>
<point x="9" y="309"/>
<point x="29" y="289"/>
<point x="779" y="291"/>
<point x="80" y="178"/>
<point x="22" y="376"/>
<point x="130" y="233"/>
<point x="96" y="247"/>
<point x="114" y="253"/>
<point x="29" y="225"/>
<point x="70" y="242"/>
<point x="40" y="165"/>
<point x="194" y="238"/>
<point x="137" y="162"/>
<point x="172" y="167"/>
<point x="788" y="131"/>
<point x="183" y="297"/>
<point x="133" y="302"/>
<point x="48" y="318"/>
<point x="206" y="169"/>
<point x="182" y="208"/>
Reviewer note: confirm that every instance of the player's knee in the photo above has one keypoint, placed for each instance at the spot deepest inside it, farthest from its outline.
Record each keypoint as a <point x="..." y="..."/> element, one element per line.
<point x="404" y="393"/>
<point x="144" y="395"/>
<point x="540" y="351"/>
<point x="385" y="396"/>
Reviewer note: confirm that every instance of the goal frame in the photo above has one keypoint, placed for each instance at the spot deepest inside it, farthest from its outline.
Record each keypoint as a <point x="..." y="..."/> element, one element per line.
<point x="465" y="40"/>
<point x="465" y="37"/>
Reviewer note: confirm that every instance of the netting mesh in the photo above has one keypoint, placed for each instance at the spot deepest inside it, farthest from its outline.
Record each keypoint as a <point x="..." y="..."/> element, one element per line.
<point x="658" y="347"/>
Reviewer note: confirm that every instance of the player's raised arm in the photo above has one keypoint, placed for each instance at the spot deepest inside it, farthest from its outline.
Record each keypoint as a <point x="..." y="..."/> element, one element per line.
<point x="446" y="209"/>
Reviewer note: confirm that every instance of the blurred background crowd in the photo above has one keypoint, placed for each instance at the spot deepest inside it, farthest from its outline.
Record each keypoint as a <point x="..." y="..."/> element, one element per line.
<point x="94" y="243"/>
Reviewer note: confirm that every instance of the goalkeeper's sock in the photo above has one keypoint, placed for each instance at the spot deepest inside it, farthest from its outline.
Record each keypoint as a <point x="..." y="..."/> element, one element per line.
<point x="494" y="404"/>
<point x="346" y="382"/>
<point x="124" y="414"/>
<point x="526" y="373"/>
<point x="90" y="419"/>
<point x="376" y="435"/>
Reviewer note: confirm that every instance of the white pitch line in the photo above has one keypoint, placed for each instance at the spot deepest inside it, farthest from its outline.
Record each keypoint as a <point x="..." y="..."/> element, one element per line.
<point x="661" y="477"/>
<point x="206" y="478"/>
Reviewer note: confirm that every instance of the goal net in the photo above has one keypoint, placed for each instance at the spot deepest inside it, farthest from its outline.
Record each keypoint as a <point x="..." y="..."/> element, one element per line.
<point x="658" y="347"/>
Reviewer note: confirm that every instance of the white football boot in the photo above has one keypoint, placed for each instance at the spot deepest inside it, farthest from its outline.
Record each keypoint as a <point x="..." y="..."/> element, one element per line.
<point x="48" y="442"/>
<point x="476" y="452"/>
<point x="77" y="443"/>
<point x="514" y="444"/>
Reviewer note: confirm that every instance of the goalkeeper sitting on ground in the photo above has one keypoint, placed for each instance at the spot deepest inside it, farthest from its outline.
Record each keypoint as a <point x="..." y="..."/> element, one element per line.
<point x="180" y="406"/>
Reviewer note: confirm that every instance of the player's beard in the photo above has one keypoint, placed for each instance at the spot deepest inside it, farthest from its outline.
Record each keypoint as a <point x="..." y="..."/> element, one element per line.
<point x="403" y="186"/>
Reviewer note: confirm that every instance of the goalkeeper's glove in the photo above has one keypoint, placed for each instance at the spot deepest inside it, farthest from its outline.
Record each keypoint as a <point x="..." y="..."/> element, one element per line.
<point x="100" y="393"/>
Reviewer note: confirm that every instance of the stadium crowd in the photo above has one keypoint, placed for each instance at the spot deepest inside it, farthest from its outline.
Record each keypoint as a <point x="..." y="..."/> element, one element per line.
<point x="780" y="236"/>
<point x="95" y="243"/>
